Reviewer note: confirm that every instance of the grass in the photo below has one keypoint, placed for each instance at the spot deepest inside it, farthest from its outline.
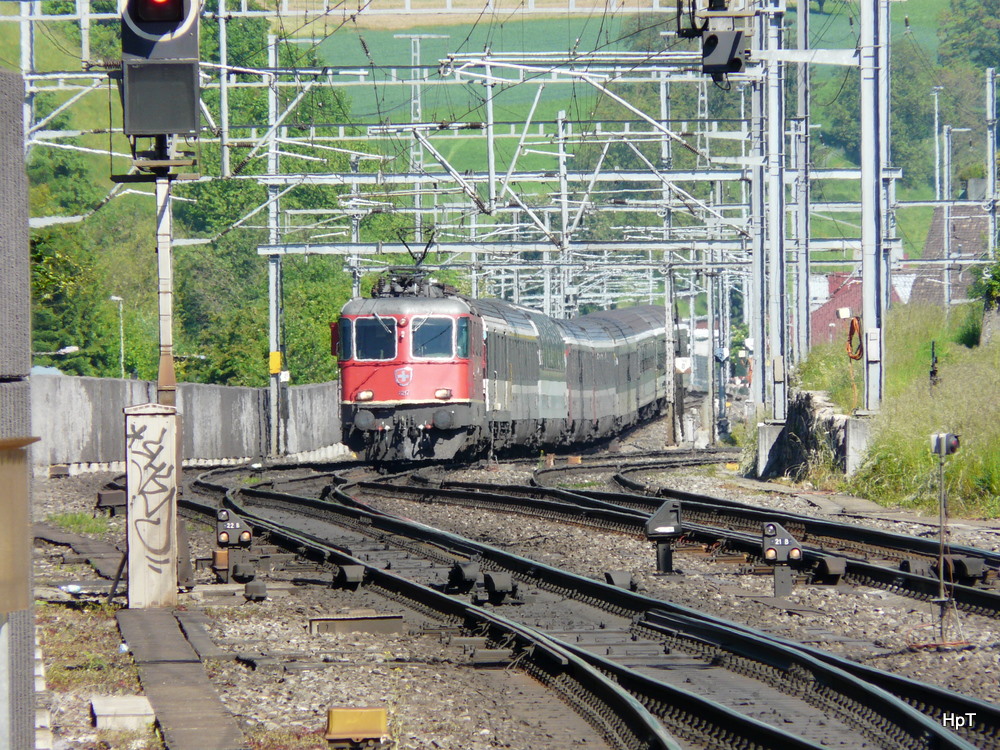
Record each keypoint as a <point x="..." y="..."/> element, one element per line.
<point x="900" y="469"/>
<point x="79" y="522"/>
<point x="259" y="738"/>
<point x="81" y="648"/>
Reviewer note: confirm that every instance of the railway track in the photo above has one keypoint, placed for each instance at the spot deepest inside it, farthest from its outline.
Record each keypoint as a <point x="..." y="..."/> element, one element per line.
<point x="737" y="527"/>
<point x="636" y="629"/>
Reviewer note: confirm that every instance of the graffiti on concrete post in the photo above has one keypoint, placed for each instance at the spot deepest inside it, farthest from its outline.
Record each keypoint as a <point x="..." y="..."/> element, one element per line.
<point x="151" y="454"/>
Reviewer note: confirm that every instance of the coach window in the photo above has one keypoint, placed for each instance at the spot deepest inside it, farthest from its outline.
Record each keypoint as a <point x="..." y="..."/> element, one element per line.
<point x="462" y="340"/>
<point x="375" y="338"/>
<point x="346" y="343"/>
<point x="432" y="338"/>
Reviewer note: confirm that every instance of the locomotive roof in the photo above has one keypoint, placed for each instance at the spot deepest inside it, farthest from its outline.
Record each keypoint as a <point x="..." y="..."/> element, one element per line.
<point x="407" y="306"/>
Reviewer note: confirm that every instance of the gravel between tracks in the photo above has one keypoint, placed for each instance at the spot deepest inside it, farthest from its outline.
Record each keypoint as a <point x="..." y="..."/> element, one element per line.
<point x="436" y="704"/>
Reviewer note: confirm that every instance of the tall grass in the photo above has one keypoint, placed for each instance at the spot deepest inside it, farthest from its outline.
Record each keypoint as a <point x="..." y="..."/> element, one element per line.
<point x="899" y="468"/>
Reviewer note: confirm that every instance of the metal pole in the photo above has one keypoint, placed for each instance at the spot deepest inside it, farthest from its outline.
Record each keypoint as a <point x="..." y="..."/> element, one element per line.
<point x="800" y="227"/>
<point x="756" y="299"/>
<point x="83" y="11"/>
<point x="776" y="293"/>
<point x="28" y="65"/>
<point x="947" y="220"/>
<point x="224" y="90"/>
<point x="491" y="159"/>
<point x="802" y="157"/>
<point x="276" y="365"/>
<point x="564" y="217"/>
<point x="713" y="367"/>
<point x="121" y="334"/>
<point x="872" y="128"/>
<point x="942" y="525"/>
<point x="935" y="92"/>
<point x="670" y="355"/>
<point x="887" y="185"/>
<point x="991" y="156"/>
<point x="166" y="380"/>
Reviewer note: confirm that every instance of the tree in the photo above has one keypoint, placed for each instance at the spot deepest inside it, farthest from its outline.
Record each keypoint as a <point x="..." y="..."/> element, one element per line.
<point x="987" y="288"/>
<point x="970" y="33"/>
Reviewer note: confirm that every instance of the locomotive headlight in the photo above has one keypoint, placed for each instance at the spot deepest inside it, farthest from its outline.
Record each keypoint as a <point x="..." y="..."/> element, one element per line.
<point x="364" y="396"/>
<point x="442" y="393"/>
<point x="794" y="554"/>
<point x="770" y="554"/>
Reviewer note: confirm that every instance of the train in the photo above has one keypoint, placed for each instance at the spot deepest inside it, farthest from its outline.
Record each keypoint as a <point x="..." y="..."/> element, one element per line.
<point x="428" y="374"/>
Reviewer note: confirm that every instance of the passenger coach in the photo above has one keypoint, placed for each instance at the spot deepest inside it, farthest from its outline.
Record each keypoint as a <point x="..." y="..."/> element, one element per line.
<point x="431" y="375"/>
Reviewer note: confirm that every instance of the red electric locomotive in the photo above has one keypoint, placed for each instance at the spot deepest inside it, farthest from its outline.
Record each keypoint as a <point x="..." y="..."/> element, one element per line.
<point x="408" y="368"/>
<point x="430" y="375"/>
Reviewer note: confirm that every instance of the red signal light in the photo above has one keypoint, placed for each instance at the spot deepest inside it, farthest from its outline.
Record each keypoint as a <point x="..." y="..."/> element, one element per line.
<point x="160" y="11"/>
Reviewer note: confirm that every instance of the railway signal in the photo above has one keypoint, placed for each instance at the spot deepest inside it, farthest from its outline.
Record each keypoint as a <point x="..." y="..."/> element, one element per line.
<point x="721" y="53"/>
<point x="160" y="91"/>
<point x="231" y="530"/>
<point x="663" y="527"/>
<point x="943" y="444"/>
<point x="780" y="549"/>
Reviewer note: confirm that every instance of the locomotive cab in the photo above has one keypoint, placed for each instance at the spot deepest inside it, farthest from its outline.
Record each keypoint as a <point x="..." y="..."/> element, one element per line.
<point x="407" y="385"/>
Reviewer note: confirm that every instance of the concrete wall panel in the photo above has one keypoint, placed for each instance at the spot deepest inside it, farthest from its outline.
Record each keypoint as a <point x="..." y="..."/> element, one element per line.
<point x="15" y="304"/>
<point x="80" y="420"/>
<point x="313" y="416"/>
<point x="222" y="421"/>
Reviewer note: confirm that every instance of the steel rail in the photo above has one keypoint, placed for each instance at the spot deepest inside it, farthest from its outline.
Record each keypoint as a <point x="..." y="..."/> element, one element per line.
<point x="625" y="705"/>
<point x="808" y="526"/>
<point x="871" y="707"/>
<point x="593" y="507"/>
<point x="925" y="698"/>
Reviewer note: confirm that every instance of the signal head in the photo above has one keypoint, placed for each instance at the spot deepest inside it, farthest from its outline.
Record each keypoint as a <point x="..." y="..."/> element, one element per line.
<point x="159" y="11"/>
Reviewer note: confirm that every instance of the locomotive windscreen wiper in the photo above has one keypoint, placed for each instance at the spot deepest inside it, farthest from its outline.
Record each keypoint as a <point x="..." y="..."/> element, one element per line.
<point x="382" y="322"/>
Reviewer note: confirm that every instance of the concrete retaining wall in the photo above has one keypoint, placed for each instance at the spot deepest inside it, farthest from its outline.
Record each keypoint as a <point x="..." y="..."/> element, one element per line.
<point x="80" y="420"/>
<point x="313" y="416"/>
<point x="223" y="421"/>
<point x="812" y="434"/>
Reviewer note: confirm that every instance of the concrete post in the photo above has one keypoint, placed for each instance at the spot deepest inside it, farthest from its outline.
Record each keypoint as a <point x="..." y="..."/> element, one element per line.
<point x="873" y="127"/>
<point x="150" y="449"/>
<point x="17" y="627"/>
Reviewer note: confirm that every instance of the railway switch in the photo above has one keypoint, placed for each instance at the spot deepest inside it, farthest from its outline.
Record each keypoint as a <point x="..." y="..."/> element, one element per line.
<point x="499" y="586"/>
<point x="782" y="550"/>
<point x="622" y="579"/>
<point x="255" y="590"/>
<point x="829" y="570"/>
<point x="464" y="576"/>
<point x="664" y="527"/>
<point x="350" y="576"/>
<point x="962" y="570"/>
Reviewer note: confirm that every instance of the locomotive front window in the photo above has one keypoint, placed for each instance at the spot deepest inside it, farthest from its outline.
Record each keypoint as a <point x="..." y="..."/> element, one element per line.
<point x="375" y="338"/>
<point x="462" y="340"/>
<point x="432" y="338"/>
<point x="346" y="349"/>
